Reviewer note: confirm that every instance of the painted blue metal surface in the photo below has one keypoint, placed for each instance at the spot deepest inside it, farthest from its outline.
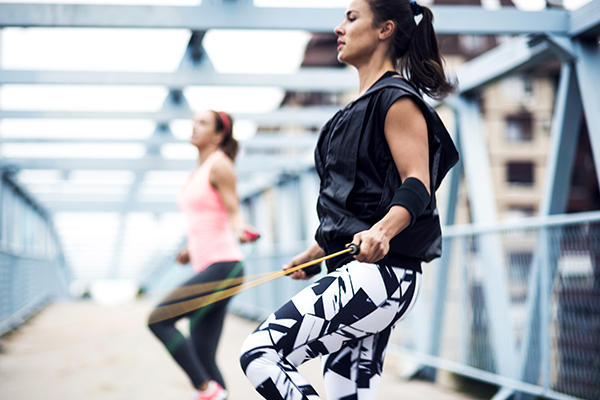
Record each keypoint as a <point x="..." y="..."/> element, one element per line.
<point x="475" y="159"/>
<point x="585" y="21"/>
<point x="449" y="19"/>
<point x="308" y="79"/>
<point x="588" y="74"/>
<point x="508" y="58"/>
<point x="563" y="140"/>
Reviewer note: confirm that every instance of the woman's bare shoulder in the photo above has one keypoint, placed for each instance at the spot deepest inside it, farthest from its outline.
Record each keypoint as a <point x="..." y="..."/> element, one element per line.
<point x="222" y="169"/>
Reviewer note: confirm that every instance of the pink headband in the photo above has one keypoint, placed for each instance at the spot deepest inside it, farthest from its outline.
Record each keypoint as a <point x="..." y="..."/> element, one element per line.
<point x="226" y="122"/>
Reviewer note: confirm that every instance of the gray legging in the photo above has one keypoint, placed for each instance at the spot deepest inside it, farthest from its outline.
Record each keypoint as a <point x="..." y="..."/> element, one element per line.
<point x="197" y="354"/>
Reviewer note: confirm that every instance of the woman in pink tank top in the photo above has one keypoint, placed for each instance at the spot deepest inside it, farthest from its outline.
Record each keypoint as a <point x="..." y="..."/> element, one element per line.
<point x="215" y="225"/>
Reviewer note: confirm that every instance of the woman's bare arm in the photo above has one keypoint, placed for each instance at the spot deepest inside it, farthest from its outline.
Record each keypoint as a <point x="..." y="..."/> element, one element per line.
<point x="406" y="135"/>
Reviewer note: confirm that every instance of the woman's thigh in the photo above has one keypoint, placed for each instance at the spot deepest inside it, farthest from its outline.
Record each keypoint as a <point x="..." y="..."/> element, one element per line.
<point x="346" y="305"/>
<point x="204" y="283"/>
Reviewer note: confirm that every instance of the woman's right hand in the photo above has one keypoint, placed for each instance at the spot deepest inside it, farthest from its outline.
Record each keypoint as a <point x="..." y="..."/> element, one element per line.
<point x="183" y="257"/>
<point x="312" y="253"/>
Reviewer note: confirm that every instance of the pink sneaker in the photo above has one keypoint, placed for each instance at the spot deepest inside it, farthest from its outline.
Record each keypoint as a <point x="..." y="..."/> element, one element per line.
<point x="214" y="391"/>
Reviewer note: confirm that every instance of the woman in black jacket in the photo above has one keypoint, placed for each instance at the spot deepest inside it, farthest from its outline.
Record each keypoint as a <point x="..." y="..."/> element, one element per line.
<point x="380" y="160"/>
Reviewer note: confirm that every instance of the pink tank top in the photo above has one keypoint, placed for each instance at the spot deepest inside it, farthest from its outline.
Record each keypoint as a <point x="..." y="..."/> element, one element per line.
<point x="210" y="236"/>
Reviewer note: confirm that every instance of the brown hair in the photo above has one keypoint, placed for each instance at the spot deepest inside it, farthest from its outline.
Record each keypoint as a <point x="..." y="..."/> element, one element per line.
<point x="224" y="123"/>
<point x="414" y="46"/>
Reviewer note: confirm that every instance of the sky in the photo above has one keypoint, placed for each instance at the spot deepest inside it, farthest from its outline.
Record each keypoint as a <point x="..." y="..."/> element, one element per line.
<point x="143" y="50"/>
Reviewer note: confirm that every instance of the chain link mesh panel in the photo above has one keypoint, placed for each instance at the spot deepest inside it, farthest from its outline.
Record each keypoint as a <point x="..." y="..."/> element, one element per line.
<point x="521" y="303"/>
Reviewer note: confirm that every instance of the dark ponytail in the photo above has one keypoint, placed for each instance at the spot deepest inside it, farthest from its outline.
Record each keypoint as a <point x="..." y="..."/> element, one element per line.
<point x="224" y="123"/>
<point x="414" y="46"/>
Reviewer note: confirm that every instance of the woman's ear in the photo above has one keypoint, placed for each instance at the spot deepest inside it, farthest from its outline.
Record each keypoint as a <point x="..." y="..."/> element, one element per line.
<point x="217" y="138"/>
<point x="387" y="30"/>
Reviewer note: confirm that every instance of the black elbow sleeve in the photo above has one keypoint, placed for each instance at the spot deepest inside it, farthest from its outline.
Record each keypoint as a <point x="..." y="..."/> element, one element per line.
<point x="413" y="196"/>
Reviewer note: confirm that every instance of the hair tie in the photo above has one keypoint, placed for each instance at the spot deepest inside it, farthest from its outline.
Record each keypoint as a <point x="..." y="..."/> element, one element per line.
<point x="226" y="123"/>
<point x="416" y="10"/>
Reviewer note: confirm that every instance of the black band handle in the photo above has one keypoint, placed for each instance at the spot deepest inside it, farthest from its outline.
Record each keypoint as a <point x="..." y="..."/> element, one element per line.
<point x="354" y="249"/>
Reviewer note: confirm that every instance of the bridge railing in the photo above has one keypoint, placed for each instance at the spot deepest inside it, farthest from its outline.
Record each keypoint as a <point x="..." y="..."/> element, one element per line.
<point x="32" y="268"/>
<point x="516" y="304"/>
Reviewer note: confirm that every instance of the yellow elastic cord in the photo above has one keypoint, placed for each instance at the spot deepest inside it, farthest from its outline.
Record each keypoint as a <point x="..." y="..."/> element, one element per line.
<point x="224" y="289"/>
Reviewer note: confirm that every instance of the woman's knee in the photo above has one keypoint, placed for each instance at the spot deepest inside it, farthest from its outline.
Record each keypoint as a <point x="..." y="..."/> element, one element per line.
<point x="258" y="347"/>
<point x="152" y="319"/>
<point x="248" y="352"/>
<point x="156" y="326"/>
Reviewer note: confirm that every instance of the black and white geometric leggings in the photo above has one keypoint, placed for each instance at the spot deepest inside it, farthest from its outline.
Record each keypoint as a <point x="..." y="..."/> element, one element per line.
<point x="347" y="318"/>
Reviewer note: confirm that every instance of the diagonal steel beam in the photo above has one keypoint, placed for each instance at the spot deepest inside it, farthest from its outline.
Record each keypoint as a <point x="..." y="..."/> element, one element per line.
<point x="588" y="75"/>
<point x="563" y="142"/>
<point x="508" y="58"/>
<point x="585" y="21"/>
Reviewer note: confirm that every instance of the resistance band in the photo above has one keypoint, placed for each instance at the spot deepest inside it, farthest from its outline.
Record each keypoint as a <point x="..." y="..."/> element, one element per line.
<point x="227" y="288"/>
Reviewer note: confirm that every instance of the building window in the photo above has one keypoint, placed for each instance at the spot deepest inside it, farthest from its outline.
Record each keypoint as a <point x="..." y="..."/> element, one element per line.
<point x="520" y="173"/>
<point x="519" y="212"/>
<point x="519" y="128"/>
<point x="518" y="89"/>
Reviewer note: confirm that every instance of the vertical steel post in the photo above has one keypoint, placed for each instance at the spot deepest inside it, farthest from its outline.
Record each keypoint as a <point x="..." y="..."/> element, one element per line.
<point x="564" y="134"/>
<point x="483" y="210"/>
<point x="441" y="278"/>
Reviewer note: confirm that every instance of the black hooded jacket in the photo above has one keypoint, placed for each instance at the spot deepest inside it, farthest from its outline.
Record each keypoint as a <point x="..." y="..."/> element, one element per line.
<point x="359" y="176"/>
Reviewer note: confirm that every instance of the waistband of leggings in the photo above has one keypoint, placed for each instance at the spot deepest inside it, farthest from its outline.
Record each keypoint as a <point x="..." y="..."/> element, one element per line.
<point x="391" y="259"/>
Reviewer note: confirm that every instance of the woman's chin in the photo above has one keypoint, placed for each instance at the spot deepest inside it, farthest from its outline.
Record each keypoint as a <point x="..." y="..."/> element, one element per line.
<point x="343" y="58"/>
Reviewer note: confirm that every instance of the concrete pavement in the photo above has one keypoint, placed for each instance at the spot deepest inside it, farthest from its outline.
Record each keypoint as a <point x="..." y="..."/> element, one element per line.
<point x="82" y="350"/>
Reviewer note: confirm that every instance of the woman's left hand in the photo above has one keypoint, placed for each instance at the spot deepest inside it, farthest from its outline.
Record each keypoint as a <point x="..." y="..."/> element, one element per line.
<point x="373" y="243"/>
<point x="248" y="234"/>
